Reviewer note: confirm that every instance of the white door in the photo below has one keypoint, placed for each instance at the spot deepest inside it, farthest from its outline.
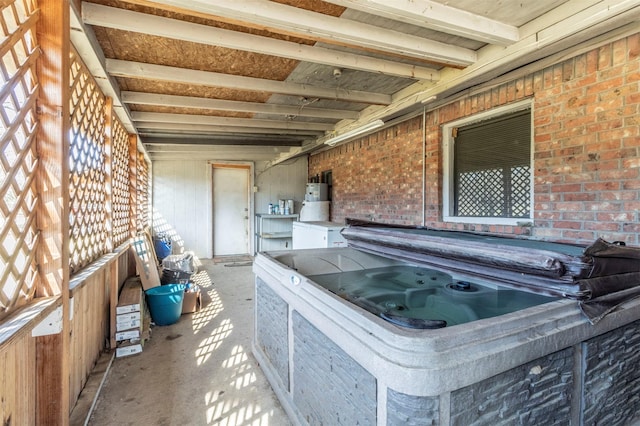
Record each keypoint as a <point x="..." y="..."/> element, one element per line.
<point x="230" y="210"/>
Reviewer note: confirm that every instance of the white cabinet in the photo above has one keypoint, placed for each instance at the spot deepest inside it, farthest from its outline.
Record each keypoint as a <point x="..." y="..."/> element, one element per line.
<point x="317" y="235"/>
<point x="274" y="231"/>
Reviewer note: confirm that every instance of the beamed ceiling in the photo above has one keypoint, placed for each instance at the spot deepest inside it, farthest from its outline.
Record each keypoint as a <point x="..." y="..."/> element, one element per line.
<point x="270" y="80"/>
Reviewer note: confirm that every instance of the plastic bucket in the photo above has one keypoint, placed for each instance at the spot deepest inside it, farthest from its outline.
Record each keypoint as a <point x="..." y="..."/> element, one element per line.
<point x="169" y="276"/>
<point x="162" y="248"/>
<point x="165" y="303"/>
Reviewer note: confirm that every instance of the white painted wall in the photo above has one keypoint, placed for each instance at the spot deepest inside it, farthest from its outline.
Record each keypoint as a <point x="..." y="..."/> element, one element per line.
<point x="182" y="204"/>
<point x="284" y="181"/>
<point x="182" y="191"/>
<point x="287" y="182"/>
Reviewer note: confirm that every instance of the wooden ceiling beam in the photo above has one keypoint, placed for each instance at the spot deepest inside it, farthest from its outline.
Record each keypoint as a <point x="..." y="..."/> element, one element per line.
<point x="119" y="68"/>
<point x="176" y="101"/>
<point x="244" y="140"/>
<point x="221" y="153"/>
<point x="205" y="128"/>
<point x="178" y="146"/>
<point x="111" y="17"/>
<point x="159" y="117"/>
<point x="439" y="17"/>
<point x="291" y="20"/>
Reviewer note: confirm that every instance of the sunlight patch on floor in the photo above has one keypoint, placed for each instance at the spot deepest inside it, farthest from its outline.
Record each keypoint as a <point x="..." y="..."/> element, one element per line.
<point x="212" y="308"/>
<point x="213" y="342"/>
<point x="237" y="410"/>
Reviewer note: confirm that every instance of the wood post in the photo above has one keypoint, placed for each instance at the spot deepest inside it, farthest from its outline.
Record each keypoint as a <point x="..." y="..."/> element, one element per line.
<point x="52" y="351"/>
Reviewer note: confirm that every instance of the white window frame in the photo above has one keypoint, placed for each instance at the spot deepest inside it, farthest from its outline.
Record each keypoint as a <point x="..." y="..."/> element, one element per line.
<point x="448" y="195"/>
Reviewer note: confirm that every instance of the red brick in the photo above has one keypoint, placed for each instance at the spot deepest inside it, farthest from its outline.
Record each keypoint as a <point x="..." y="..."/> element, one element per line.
<point x="615" y="217"/>
<point x="572" y="187"/>
<point x="633" y="46"/>
<point x="631" y="227"/>
<point x="631" y="163"/>
<point x="602" y="226"/>
<point x="631" y="184"/>
<point x="564" y="224"/>
<point x="619" y="52"/>
<point x="581" y="216"/>
<point x="580" y="196"/>
<point x="578" y="236"/>
<point x="604" y="57"/>
<point x="619" y="174"/>
<point x="569" y="206"/>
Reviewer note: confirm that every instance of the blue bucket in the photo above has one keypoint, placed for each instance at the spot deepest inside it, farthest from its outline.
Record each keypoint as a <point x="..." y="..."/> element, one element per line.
<point x="165" y="303"/>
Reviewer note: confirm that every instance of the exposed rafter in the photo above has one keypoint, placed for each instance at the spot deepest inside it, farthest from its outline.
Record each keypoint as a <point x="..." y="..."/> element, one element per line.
<point x="223" y="105"/>
<point x="329" y="29"/>
<point x="120" y="68"/>
<point x="205" y="128"/>
<point x="112" y="17"/>
<point x="157" y="117"/>
<point x="438" y="16"/>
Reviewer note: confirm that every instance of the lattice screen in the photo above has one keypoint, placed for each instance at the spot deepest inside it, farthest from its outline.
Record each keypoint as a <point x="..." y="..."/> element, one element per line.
<point x="120" y="183"/>
<point x="18" y="127"/>
<point x="87" y="168"/>
<point x="520" y="200"/>
<point x="488" y="193"/>
<point x="143" y="219"/>
<point x="481" y="193"/>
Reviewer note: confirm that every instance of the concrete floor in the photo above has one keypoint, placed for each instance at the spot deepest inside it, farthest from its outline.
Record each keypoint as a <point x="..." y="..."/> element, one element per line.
<point x="199" y="371"/>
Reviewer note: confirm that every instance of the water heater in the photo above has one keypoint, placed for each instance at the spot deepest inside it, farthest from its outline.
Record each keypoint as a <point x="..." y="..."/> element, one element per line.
<point x="317" y="192"/>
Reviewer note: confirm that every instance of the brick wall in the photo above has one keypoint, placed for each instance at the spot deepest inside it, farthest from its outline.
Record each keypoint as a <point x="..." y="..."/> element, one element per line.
<point x="586" y="154"/>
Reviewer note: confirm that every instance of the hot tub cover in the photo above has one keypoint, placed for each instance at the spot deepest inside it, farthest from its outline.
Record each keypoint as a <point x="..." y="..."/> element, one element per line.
<point x="591" y="274"/>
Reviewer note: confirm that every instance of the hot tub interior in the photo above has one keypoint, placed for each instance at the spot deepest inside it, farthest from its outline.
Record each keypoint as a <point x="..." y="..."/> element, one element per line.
<point x="417" y="297"/>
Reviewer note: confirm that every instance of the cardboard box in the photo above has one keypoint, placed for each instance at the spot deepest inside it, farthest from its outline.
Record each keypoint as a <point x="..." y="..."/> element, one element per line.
<point x="131" y="296"/>
<point x="128" y="335"/>
<point x="128" y="318"/>
<point x="191" y="302"/>
<point x="128" y="350"/>
<point x="122" y="326"/>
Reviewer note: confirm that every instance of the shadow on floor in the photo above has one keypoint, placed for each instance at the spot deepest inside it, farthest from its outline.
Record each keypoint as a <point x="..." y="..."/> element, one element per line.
<point x="199" y="371"/>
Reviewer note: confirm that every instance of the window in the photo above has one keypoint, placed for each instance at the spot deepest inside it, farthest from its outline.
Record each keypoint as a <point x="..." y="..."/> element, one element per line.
<point x="488" y="172"/>
<point x="327" y="177"/>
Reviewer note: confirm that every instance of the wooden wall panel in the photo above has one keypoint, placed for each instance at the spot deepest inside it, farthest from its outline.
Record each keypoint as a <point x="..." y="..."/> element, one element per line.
<point x="18" y="382"/>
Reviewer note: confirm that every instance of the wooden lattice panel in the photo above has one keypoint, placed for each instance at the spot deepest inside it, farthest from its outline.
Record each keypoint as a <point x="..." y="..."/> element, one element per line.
<point x="87" y="168"/>
<point x="142" y="187"/>
<point x="481" y="193"/>
<point x="18" y="127"/>
<point x="520" y="200"/>
<point x="120" y="183"/>
<point x="488" y="193"/>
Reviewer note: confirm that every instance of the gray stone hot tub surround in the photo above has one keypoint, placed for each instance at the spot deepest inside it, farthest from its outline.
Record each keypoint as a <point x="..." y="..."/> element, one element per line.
<point x="526" y="367"/>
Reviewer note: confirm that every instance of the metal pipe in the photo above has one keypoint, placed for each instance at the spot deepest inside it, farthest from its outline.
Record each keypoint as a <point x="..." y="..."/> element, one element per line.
<point x="424" y="164"/>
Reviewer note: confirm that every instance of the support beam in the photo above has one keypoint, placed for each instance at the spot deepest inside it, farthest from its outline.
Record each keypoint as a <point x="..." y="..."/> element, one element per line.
<point x="160" y="117"/>
<point x="111" y="17"/>
<point x="140" y="98"/>
<point x="204" y="128"/>
<point x="119" y="68"/>
<point x="439" y="17"/>
<point x="52" y="351"/>
<point x="306" y="24"/>
<point x="168" y="139"/>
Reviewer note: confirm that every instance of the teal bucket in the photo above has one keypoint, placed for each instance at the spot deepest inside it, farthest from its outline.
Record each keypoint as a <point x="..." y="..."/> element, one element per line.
<point x="165" y="303"/>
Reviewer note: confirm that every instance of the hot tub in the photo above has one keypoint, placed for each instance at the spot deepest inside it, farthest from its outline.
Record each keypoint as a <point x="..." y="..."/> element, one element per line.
<point x="331" y="361"/>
